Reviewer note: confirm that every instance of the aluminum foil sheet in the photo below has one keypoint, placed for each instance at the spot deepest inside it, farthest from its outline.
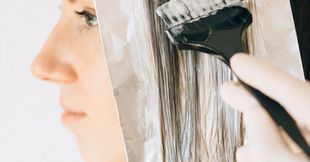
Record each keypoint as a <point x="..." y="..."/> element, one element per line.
<point x="275" y="35"/>
<point x="127" y="43"/>
<point x="127" y="47"/>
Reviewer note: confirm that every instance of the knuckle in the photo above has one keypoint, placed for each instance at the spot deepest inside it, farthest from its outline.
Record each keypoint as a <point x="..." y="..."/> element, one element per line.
<point x="241" y="154"/>
<point x="251" y="104"/>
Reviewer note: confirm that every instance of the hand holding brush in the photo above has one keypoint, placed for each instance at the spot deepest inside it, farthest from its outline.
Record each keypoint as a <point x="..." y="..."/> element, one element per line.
<point x="217" y="27"/>
<point x="265" y="141"/>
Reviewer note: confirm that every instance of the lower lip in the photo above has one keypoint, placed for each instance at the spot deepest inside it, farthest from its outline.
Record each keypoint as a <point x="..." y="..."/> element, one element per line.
<point x="72" y="117"/>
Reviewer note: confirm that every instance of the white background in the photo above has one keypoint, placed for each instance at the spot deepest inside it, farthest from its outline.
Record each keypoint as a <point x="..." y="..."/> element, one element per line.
<point x="30" y="129"/>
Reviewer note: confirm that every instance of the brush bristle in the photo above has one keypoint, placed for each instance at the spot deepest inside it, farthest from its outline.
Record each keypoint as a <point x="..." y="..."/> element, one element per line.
<point x="176" y="12"/>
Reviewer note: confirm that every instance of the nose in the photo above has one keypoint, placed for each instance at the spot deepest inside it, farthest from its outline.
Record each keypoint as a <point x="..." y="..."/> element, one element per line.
<point x="50" y="65"/>
<point x="48" y="68"/>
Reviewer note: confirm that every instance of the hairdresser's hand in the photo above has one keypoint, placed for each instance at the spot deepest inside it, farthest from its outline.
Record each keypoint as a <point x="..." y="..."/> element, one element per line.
<point x="265" y="142"/>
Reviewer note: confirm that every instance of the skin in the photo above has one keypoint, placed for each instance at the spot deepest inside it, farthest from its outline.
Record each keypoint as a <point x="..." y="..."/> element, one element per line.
<point x="74" y="59"/>
<point x="265" y="142"/>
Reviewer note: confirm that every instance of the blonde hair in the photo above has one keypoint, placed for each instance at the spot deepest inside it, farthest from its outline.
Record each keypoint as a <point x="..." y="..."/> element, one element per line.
<point x="196" y="124"/>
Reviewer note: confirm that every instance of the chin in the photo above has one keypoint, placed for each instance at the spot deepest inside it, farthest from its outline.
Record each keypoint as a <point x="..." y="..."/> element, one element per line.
<point x="90" y="152"/>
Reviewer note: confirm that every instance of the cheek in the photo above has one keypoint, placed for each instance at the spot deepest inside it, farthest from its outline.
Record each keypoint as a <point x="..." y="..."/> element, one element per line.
<point x="93" y="74"/>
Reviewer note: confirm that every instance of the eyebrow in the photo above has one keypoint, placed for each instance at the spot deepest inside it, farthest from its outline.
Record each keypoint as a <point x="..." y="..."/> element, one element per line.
<point x="72" y="1"/>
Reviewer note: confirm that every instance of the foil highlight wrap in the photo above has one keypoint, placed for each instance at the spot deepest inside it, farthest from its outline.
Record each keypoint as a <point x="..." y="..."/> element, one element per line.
<point x="126" y="31"/>
<point x="275" y="36"/>
<point x="126" y="45"/>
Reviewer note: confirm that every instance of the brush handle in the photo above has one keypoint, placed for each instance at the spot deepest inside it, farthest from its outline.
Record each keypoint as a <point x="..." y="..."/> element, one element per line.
<point x="221" y="34"/>
<point x="281" y="117"/>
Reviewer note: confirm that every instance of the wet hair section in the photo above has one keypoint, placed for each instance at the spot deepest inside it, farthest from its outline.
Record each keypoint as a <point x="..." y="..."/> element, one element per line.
<point x="190" y="9"/>
<point x="196" y="125"/>
<point x="169" y="100"/>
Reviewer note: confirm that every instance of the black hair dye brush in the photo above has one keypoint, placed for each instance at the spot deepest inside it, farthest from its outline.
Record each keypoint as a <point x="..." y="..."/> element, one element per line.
<point x="217" y="27"/>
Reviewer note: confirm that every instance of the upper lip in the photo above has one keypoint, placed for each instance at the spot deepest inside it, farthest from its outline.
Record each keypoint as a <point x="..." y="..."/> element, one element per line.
<point x="70" y="109"/>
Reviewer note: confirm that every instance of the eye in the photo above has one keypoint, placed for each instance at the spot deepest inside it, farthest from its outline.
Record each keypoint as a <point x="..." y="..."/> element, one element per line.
<point x="90" y="19"/>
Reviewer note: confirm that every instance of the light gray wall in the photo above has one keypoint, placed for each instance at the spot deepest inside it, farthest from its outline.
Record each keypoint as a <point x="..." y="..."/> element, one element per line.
<point x="30" y="129"/>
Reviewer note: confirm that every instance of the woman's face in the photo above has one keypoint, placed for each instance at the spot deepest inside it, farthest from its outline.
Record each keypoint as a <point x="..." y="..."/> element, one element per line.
<point x="73" y="58"/>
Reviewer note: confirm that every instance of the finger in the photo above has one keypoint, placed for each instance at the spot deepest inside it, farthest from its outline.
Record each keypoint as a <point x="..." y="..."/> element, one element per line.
<point x="287" y="90"/>
<point x="259" y="125"/>
<point x="237" y="97"/>
<point x="242" y="155"/>
<point x="295" y="149"/>
<point x="264" y="138"/>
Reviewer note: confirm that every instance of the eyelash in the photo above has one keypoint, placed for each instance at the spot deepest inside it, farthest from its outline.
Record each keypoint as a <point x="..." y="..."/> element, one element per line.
<point x="90" y="19"/>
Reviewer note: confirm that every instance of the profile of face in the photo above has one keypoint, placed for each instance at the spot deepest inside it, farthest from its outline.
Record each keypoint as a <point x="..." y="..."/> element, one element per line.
<point x="74" y="59"/>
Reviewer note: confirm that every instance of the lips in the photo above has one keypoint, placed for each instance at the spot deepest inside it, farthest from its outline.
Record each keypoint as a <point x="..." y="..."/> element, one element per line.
<point x="71" y="114"/>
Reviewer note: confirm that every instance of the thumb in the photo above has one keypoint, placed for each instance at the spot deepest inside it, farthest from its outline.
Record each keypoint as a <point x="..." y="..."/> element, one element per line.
<point x="264" y="140"/>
